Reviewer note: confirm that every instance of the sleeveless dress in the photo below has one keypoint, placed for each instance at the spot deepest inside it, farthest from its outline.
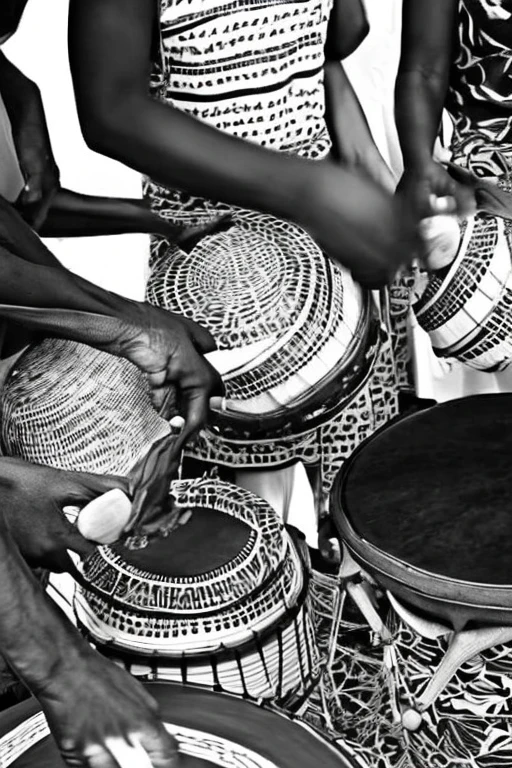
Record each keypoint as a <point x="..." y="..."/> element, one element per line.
<point x="254" y="69"/>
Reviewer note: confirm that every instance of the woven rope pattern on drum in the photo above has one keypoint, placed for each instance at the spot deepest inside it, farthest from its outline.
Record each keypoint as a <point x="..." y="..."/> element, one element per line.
<point x="467" y="312"/>
<point x="450" y="298"/>
<point x="72" y="407"/>
<point x="262" y="282"/>
<point x="283" y="666"/>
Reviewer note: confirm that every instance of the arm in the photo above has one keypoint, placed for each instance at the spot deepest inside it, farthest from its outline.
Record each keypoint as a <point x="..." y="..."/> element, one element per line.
<point x="423" y="73"/>
<point x="36" y="291"/>
<point x="11" y="12"/>
<point x="54" y="662"/>
<point x="348" y="27"/>
<point x="352" y="141"/>
<point x="110" y="50"/>
<point x="33" y="147"/>
<point x="76" y="215"/>
<point x="427" y="47"/>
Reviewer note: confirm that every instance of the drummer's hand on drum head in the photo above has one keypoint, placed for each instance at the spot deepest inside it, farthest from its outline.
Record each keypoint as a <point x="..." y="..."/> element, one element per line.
<point x="170" y="350"/>
<point x="101" y="717"/>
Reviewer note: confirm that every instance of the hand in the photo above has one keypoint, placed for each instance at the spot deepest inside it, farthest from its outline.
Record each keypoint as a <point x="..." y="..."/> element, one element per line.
<point x="191" y="236"/>
<point x="169" y="349"/>
<point x="33" y="497"/>
<point x="94" y="707"/>
<point x="421" y="186"/>
<point x="364" y="228"/>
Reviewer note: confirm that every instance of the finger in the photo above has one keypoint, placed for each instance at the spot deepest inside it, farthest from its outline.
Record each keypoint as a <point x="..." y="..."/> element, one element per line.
<point x="167" y="407"/>
<point x="99" y="756"/>
<point x="84" y="486"/>
<point x="195" y="411"/>
<point x="161" y="747"/>
<point x="128" y="755"/>
<point x="201" y="336"/>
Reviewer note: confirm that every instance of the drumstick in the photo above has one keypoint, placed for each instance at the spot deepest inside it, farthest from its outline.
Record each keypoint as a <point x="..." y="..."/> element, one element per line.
<point x="128" y="755"/>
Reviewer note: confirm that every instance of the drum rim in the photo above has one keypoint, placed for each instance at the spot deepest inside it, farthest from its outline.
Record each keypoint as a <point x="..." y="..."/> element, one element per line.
<point x="432" y="586"/>
<point x="245" y="429"/>
<point x="341" y="754"/>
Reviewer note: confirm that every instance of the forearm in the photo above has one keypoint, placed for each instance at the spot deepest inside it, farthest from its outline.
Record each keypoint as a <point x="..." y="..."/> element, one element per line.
<point x="181" y="152"/>
<point x="35" y="638"/>
<point x="55" y="301"/>
<point x="17" y="237"/>
<point x="77" y="215"/>
<point x="428" y="31"/>
<point x="349" y="130"/>
<point x="419" y="101"/>
<point x="18" y="92"/>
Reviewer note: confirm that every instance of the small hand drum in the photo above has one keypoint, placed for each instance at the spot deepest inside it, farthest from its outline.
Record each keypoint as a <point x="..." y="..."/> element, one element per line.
<point x="222" y="601"/>
<point x="467" y="308"/>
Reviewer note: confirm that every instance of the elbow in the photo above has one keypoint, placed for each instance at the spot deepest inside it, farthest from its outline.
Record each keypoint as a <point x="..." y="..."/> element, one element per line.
<point x="99" y="132"/>
<point x="342" y="46"/>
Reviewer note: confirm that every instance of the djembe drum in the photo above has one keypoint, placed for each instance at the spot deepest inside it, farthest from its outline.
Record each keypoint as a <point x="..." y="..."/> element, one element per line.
<point x="210" y="729"/>
<point x="466" y="308"/>
<point x="223" y="600"/>
<point x="421" y="643"/>
<point x="297" y="338"/>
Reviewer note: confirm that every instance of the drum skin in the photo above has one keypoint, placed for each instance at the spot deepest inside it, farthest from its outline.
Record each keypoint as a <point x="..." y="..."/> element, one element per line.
<point x="424" y="506"/>
<point x="274" y="737"/>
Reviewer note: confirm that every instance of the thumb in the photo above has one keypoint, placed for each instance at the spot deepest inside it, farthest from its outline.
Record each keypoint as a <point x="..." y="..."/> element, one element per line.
<point x="84" y="486"/>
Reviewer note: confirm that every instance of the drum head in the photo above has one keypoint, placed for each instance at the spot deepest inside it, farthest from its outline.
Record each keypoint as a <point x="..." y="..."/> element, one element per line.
<point x="237" y="730"/>
<point x="426" y="504"/>
<point x="207" y="541"/>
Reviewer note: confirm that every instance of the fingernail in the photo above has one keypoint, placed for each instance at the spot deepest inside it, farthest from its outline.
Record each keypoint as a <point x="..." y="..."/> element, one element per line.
<point x="218" y="403"/>
<point x="444" y="204"/>
<point x="177" y="423"/>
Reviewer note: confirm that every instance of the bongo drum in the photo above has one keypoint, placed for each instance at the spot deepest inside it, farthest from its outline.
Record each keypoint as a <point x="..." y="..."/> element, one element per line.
<point x="222" y="601"/>
<point x="210" y="729"/>
<point x="297" y="337"/>
<point x="467" y="308"/>
<point x="421" y="671"/>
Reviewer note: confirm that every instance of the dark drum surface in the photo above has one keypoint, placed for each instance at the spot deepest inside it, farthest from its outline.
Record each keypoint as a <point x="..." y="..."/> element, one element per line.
<point x="435" y="490"/>
<point x="208" y="540"/>
<point x="271" y="736"/>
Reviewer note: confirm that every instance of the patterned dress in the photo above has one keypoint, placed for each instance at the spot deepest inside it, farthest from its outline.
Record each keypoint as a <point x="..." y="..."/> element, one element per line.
<point x="254" y="69"/>
<point x="480" y="95"/>
<point x="480" y="105"/>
